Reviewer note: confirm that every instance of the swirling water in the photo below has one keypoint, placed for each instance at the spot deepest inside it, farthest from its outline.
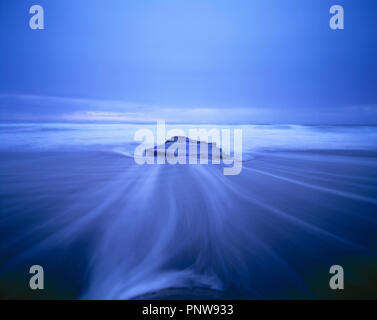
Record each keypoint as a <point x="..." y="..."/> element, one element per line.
<point x="75" y="202"/>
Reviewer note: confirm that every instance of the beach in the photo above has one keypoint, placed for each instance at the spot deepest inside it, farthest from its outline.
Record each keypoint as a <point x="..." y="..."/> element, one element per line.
<point x="104" y="227"/>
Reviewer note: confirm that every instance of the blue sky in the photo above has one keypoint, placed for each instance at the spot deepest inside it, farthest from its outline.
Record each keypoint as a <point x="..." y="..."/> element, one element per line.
<point x="261" y="61"/>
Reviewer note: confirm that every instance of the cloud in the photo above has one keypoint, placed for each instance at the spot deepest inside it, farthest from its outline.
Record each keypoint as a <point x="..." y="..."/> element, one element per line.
<point x="48" y="108"/>
<point x="38" y="108"/>
<point x="102" y="116"/>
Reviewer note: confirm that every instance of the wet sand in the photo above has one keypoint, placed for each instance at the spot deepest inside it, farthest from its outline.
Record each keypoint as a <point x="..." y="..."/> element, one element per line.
<point x="105" y="228"/>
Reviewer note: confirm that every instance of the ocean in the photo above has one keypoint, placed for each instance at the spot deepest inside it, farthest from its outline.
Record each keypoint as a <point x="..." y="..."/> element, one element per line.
<point x="73" y="200"/>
